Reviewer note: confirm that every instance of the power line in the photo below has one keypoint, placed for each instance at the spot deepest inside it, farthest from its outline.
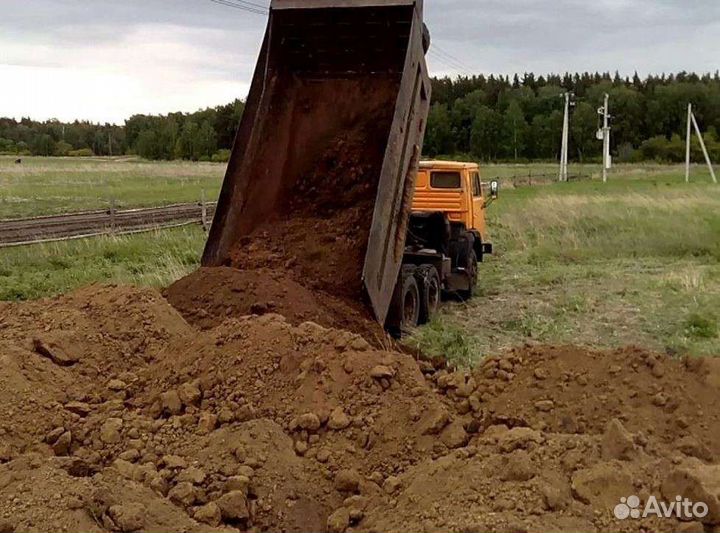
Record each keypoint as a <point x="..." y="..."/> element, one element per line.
<point x="247" y="3"/>
<point x="451" y="64"/>
<point x="244" y="6"/>
<point x="253" y="4"/>
<point x="447" y="62"/>
<point x="451" y="58"/>
<point x="445" y="59"/>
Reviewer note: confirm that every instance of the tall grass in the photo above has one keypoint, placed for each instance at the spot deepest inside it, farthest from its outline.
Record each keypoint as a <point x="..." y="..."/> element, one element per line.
<point x="156" y="258"/>
<point x="666" y="221"/>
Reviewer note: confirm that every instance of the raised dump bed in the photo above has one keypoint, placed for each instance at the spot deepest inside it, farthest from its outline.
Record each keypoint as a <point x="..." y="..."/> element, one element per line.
<point x="321" y="176"/>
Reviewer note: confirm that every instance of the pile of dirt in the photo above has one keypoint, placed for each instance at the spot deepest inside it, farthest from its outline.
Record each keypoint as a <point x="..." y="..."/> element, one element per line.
<point x="209" y="296"/>
<point x="118" y="415"/>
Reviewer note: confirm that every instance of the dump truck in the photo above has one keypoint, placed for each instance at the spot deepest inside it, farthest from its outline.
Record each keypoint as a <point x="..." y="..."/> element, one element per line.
<point x="447" y="238"/>
<point x="324" y="164"/>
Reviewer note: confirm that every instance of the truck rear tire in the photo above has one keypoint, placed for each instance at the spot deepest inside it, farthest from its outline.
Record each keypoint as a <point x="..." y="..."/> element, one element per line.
<point x="430" y="288"/>
<point x="405" y="306"/>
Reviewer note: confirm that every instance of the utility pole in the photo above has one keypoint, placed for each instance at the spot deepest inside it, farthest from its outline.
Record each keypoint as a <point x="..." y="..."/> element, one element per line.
<point x="687" y="144"/>
<point x="704" y="148"/>
<point x="565" y="136"/>
<point x="606" y="138"/>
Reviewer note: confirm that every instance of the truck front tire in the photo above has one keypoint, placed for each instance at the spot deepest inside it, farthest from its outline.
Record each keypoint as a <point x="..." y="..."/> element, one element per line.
<point x="471" y="271"/>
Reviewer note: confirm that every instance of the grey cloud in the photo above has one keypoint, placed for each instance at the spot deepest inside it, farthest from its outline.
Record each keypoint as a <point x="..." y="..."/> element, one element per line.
<point x="68" y="22"/>
<point x="540" y="27"/>
<point x="219" y="44"/>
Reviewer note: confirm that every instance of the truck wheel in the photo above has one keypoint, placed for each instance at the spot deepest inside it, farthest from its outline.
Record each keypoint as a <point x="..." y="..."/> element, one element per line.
<point x="405" y="306"/>
<point x="428" y="280"/>
<point x="471" y="269"/>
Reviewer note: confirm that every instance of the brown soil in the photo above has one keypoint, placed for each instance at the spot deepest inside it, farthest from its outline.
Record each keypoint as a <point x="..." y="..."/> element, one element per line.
<point x="209" y="296"/>
<point x="118" y="415"/>
<point x="316" y="225"/>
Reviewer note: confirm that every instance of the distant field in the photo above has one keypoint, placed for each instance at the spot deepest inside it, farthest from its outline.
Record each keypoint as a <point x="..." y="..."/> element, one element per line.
<point x="633" y="261"/>
<point x="51" y="185"/>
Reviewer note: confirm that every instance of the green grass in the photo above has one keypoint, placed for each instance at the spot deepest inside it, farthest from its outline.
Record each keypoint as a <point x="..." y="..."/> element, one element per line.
<point x="634" y="261"/>
<point x="50" y="185"/>
<point x="155" y="258"/>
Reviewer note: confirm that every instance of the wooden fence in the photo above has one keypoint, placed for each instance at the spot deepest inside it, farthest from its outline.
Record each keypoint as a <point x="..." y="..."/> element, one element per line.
<point x="21" y="231"/>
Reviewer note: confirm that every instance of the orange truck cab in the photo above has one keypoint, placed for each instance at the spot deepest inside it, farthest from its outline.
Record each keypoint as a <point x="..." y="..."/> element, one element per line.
<point x="456" y="189"/>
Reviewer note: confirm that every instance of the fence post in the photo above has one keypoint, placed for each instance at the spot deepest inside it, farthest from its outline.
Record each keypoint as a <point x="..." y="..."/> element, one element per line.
<point x="203" y="210"/>
<point x="112" y="216"/>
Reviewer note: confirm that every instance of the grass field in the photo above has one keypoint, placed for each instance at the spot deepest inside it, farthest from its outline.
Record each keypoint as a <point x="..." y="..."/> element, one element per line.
<point x="50" y="185"/>
<point x="156" y="258"/>
<point x="633" y="261"/>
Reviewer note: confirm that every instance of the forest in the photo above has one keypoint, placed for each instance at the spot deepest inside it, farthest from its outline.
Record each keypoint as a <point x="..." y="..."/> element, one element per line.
<point x="205" y="135"/>
<point x="498" y="118"/>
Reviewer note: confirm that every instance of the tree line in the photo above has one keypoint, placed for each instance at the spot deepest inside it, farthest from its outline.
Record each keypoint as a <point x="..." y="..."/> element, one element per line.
<point x="481" y="117"/>
<point x="499" y="118"/>
<point x="205" y="135"/>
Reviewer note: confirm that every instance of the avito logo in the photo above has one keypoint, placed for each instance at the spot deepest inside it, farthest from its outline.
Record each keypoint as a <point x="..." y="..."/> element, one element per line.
<point x="681" y="508"/>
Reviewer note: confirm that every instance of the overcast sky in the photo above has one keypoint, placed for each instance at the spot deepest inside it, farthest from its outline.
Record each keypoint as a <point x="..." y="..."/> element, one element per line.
<point x="105" y="60"/>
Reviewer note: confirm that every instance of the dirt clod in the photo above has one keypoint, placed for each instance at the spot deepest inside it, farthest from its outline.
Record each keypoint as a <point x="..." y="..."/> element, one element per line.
<point x="110" y="430"/>
<point x="309" y="422"/>
<point x="184" y="493"/>
<point x="128" y="518"/>
<point x="382" y="372"/>
<point x="171" y="403"/>
<point x="347" y="480"/>
<point x="52" y="348"/>
<point x="617" y="442"/>
<point x="209" y="514"/>
<point x="338" y="419"/>
<point x="233" y="506"/>
<point x="339" y="521"/>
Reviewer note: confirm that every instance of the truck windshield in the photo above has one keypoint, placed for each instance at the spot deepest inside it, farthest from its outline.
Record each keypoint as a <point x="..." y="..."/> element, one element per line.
<point x="445" y="180"/>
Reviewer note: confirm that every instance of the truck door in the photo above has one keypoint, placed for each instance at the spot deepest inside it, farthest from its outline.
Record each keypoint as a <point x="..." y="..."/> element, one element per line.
<point x="478" y="204"/>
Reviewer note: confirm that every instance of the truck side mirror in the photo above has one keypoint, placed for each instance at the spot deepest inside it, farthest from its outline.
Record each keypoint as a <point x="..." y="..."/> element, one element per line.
<point x="494" y="189"/>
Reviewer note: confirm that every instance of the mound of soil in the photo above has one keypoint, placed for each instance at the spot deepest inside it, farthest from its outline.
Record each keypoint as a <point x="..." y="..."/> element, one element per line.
<point x="118" y="415"/>
<point x="209" y="296"/>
